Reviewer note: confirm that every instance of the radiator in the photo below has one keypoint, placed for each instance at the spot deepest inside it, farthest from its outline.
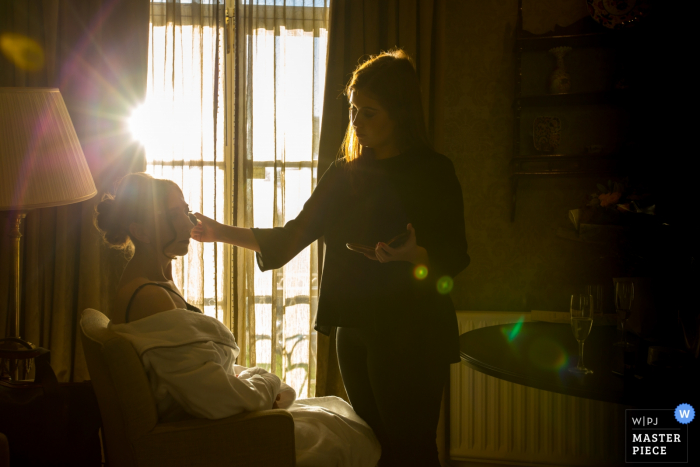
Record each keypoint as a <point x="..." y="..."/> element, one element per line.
<point x="496" y="422"/>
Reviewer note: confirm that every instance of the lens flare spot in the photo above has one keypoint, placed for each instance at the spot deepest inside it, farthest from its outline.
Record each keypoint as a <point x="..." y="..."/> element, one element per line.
<point x="547" y="355"/>
<point x="420" y="272"/>
<point x="24" y="52"/>
<point x="511" y="332"/>
<point x="445" y="284"/>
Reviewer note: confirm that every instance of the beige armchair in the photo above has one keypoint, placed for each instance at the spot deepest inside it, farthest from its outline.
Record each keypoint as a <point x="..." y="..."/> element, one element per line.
<point x="133" y="435"/>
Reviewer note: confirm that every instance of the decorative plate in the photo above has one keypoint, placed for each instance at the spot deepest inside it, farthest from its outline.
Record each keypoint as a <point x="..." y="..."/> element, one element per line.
<point x="618" y="14"/>
<point x="545" y="133"/>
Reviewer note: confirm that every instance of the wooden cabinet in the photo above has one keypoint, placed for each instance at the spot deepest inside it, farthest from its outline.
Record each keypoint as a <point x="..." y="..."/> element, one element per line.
<point x="600" y="115"/>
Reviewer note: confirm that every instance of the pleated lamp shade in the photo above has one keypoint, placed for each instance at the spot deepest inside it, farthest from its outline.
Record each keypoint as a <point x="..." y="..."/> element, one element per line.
<point x="41" y="161"/>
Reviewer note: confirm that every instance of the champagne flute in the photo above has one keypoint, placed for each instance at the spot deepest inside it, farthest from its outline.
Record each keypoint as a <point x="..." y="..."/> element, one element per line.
<point x="581" y="323"/>
<point x="624" y="294"/>
<point x="597" y="292"/>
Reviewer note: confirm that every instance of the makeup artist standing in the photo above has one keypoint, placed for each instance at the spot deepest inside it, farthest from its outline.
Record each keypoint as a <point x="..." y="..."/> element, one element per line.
<point x="397" y="328"/>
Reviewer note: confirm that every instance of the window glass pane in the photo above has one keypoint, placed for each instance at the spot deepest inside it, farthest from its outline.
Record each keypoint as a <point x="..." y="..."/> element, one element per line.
<point x="297" y="289"/>
<point x="263" y="85"/>
<point x="262" y="218"/>
<point x="295" y="117"/>
<point x="287" y="71"/>
<point x="287" y="53"/>
<point x="296" y="348"/>
<point x="176" y="126"/>
<point x="263" y="325"/>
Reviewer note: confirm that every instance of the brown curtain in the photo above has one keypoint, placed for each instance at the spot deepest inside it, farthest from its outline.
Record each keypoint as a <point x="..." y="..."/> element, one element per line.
<point x="359" y="28"/>
<point x="95" y="52"/>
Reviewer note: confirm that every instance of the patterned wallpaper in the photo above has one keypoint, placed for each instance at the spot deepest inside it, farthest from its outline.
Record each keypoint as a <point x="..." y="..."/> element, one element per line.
<point x="519" y="265"/>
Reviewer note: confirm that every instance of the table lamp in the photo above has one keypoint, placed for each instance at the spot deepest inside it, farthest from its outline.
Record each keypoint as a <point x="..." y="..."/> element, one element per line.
<point x="41" y="165"/>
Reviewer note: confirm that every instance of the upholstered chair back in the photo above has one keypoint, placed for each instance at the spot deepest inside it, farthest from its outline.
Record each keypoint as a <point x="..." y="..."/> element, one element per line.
<point x="123" y="391"/>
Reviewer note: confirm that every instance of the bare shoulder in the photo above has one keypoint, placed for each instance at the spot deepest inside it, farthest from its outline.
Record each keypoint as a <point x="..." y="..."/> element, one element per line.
<point x="148" y="301"/>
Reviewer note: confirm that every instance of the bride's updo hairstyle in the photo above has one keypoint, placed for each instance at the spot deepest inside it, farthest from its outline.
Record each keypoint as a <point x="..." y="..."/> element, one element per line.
<point x="136" y="198"/>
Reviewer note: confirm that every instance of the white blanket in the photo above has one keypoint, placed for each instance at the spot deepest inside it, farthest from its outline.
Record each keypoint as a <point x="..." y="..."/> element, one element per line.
<point x="190" y="362"/>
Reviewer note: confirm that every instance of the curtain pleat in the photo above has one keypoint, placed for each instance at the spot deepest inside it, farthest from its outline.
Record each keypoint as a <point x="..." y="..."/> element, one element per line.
<point x="358" y="29"/>
<point x="95" y="53"/>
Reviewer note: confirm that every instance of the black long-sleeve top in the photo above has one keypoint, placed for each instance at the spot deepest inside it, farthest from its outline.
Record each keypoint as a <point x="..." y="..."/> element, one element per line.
<point x="375" y="203"/>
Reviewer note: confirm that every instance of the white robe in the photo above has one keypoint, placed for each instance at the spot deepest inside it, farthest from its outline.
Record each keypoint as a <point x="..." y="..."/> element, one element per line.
<point x="190" y="362"/>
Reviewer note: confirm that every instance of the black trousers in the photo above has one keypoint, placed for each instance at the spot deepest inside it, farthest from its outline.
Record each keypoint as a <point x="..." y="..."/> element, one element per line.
<point x="396" y="386"/>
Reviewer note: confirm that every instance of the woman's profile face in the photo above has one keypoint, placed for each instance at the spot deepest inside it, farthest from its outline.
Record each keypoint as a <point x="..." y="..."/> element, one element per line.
<point x="175" y="214"/>
<point x="371" y="121"/>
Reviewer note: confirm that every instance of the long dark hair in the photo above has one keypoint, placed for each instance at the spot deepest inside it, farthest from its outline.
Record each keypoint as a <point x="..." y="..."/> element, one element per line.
<point x="390" y="78"/>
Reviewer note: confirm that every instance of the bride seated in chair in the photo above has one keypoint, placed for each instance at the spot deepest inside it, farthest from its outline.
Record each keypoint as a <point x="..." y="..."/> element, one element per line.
<point x="190" y="357"/>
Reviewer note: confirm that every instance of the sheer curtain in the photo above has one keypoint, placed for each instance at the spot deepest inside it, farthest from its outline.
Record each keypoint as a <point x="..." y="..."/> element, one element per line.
<point x="181" y="125"/>
<point x="280" y="76"/>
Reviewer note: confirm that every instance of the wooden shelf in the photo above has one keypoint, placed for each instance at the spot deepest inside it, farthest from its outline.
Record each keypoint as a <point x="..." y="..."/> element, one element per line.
<point x="523" y="173"/>
<point x="593" y="156"/>
<point x="614" y="97"/>
<point x="585" y="32"/>
<point x="582" y="27"/>
<point x="602" y="235"/>
<point x="574" y="236"/>
<point x="594" y="39"/>
<point x="563" y="164"/>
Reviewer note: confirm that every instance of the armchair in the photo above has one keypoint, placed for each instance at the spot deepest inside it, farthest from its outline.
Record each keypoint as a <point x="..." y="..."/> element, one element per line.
<point x="133" y="435"/>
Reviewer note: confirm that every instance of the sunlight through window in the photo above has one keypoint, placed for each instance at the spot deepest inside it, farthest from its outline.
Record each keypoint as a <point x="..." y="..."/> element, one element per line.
<point x="176" y="125"/>
<point x="284" y="101"/>
<point x="287" y="51"/>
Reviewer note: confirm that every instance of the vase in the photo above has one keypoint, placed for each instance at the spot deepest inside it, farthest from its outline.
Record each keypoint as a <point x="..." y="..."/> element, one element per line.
<point x="559" y="80"/>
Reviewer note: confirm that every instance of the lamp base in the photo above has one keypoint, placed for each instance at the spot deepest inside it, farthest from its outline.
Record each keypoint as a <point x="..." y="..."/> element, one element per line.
<point x="16" y="357"/>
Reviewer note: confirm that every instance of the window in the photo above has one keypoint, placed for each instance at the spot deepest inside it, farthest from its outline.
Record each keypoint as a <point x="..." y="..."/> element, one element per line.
<point x="275" y="51"/>
<point x="182" y="135"/>
<point x="283" y="61"/>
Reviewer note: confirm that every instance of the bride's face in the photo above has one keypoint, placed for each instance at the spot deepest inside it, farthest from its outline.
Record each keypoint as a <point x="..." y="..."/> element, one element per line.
<point x="173" y="225"/>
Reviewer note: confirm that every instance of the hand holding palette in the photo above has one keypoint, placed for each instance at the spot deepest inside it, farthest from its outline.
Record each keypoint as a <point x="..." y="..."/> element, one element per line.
<point x="397" y="241"/>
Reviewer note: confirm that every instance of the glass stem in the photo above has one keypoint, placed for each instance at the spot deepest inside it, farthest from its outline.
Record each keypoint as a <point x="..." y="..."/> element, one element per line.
<point x="580" y="356"/>
<point x="624" y="332"/>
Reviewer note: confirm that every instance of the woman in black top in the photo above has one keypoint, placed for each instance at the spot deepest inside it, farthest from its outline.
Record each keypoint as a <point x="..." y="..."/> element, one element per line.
<point x="397" y="328"/>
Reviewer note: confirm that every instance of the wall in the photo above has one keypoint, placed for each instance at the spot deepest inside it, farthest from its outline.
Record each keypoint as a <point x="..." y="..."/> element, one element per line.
<point x="519" y="265"/>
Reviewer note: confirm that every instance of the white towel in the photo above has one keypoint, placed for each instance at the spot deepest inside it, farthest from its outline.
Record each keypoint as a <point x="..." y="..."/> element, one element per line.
<point x="190" y="362"/>
<point x="189" y="358"/>
<point x="328" y="433"/>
